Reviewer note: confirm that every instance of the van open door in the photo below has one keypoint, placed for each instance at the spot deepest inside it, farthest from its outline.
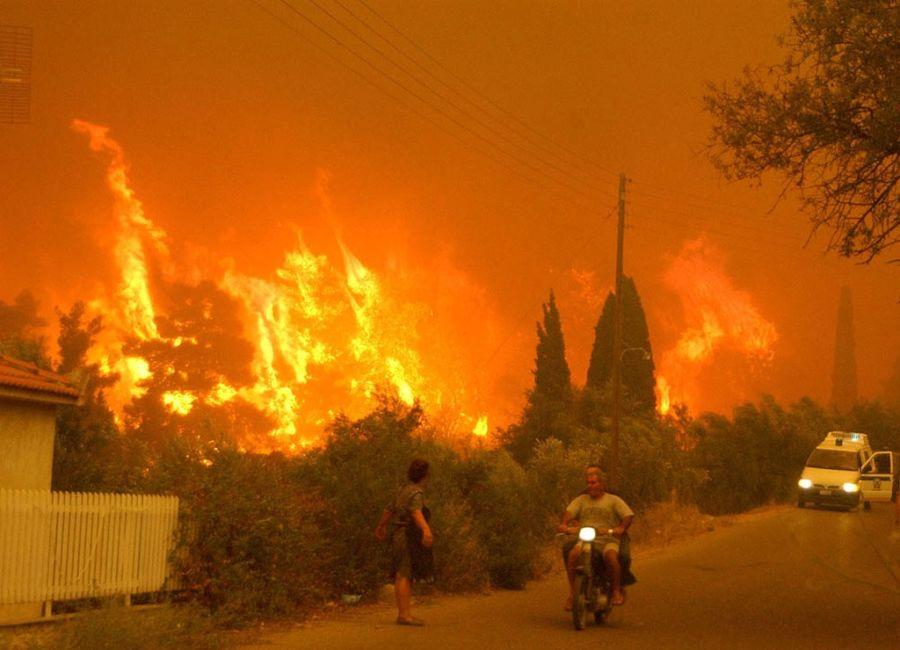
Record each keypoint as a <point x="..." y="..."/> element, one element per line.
<point x="876" y="480"/>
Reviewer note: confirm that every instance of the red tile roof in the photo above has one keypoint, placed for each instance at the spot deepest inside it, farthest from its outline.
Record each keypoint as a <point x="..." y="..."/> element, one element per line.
<point x="28" y="377"/>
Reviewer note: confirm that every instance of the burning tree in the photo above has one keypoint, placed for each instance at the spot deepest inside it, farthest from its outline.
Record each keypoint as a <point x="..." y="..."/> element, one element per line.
<point x="826" y="117"/>
<point x="195" y="369"/>
<point x="87" y="440"/>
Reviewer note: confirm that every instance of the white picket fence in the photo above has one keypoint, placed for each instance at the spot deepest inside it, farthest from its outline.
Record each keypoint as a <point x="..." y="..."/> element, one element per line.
<point x="65" y="545"/>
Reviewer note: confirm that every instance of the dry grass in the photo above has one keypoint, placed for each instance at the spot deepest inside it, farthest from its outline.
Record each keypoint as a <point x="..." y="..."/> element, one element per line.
<point x="668" y="522"/>
<point x="116" y="627"/>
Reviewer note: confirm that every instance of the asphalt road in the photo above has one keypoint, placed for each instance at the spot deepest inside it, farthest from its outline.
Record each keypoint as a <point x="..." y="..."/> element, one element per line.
<point x="788" y="578"/>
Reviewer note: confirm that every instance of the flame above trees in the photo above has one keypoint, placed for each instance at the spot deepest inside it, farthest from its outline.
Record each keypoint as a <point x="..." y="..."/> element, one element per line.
<point x="718" y="317"/>
<point x="272" y="358"/>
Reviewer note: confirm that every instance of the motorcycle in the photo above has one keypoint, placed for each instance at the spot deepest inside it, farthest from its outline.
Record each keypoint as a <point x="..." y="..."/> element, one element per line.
<point x="592" y="587"/>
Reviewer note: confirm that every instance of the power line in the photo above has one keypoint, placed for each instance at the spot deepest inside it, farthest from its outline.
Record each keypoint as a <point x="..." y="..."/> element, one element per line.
<point x="748" y="229"/>
<point x="461" y="124"/>
<point x="518" y="145"/>
<point x="522" y="176"/>
<point x="710" y="207"/>
<point x="735" y="240"/>
<point x="698" y="197"/>
<point x="434" y="107"/>
<point x="484" y="97"/>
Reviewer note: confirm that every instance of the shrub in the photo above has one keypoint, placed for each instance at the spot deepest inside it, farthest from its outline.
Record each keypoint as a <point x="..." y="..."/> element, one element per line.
<point x="556" y="476"/>
<point x="508" y="522"/>
<point x="359" y="471"/>
<point x="751" y="460"/>
<point x="461" y="560"/>
<point x="254" y="546"/>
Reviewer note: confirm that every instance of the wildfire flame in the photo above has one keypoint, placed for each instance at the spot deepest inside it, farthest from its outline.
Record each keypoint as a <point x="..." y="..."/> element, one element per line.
<point x="717" y="315"/>
<point x="323" y="339"/>
<point x="663" y="396"/>
<point x="481" y="427"/>
<point x="131" y="312"/>
<point x="178" y="401"/>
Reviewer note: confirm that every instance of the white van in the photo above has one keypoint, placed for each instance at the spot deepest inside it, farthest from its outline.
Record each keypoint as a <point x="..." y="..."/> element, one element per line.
<point x="833" y="470"/>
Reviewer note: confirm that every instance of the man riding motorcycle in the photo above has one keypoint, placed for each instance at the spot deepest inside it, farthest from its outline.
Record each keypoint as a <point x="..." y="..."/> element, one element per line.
<point x="603" y="511"/>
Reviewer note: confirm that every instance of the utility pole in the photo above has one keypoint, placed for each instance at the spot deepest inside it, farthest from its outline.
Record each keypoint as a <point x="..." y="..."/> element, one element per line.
<point x="617" y="341"/>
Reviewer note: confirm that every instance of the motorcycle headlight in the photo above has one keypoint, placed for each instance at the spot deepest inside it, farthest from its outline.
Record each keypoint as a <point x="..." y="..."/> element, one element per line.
<point x="805" y="483"/>
<point x="587" y="534"/>
<point x="850" y="488"/>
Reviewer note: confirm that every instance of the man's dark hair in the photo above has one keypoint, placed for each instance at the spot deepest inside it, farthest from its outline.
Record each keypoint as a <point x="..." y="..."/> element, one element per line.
<point x="594" y="468"/>
<point x="418" y="469"/>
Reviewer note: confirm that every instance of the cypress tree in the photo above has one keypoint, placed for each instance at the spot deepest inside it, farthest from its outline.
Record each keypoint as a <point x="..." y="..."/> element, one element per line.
<point x="637" y="369"/>
<point x="552" y="378"/>
<point x="548" y="411"/>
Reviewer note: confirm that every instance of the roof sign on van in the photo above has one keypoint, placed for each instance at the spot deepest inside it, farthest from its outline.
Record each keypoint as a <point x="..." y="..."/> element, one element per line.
<point x="837" y="438"/>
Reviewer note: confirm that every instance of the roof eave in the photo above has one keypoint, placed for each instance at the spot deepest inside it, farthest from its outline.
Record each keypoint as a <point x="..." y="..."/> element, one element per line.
<point x="36" y="396"/>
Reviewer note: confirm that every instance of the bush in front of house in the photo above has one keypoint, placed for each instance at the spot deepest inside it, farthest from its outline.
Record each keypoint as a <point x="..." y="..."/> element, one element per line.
<point x="253" y="542"/>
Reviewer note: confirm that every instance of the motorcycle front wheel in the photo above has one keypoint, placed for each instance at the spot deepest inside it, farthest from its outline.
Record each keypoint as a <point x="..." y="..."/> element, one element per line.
<point x="579" y="602"/>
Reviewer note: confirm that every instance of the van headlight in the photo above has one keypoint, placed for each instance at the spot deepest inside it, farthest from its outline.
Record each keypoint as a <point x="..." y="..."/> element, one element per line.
<point x="850" y="488"/>
<point x="587" y="534"/>
<point x="805" y="483"/>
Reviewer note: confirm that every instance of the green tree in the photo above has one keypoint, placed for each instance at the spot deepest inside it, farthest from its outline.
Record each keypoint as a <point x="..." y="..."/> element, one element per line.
<point x="548" y="411"/>
<point x="880" y="422"/>
<point x="752" y="459"/>
<point x="637" y="368"/>
<point x="552" y="378"/>
<point x="827" y="118"/>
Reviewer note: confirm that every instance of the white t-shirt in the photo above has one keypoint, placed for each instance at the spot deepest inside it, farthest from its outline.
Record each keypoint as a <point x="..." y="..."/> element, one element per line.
<point x="603" y="513"/>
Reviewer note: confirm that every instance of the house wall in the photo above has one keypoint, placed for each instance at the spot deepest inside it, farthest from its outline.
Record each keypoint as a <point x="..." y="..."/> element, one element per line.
<point x="26" y="444"/>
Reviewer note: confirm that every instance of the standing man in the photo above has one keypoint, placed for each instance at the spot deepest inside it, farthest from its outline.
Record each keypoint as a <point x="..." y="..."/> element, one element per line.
<point x="597" y="508"/>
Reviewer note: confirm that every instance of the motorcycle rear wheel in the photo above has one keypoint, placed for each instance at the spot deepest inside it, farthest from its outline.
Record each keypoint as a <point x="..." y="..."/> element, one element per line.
<point x="579" y="602"/>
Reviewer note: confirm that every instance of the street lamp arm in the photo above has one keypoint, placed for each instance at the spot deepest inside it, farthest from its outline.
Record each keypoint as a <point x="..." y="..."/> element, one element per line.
<point x="644" y="352"/>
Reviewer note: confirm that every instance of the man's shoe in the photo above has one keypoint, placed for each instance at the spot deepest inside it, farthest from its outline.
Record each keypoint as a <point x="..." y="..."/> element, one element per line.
<point x="415" y="622"/>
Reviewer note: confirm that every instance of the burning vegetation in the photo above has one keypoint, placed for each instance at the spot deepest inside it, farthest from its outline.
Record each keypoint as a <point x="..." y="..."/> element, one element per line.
<point x="202" y="349"/>
<point x="274" y="354"/>
<point x="719" y="319"/>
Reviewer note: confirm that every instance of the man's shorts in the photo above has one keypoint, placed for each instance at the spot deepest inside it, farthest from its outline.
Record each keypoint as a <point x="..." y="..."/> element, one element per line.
<point x="607" y="544"/>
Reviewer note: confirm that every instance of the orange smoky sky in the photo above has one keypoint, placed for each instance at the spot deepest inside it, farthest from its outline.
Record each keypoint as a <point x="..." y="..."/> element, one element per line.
<point x="241" y="136"/>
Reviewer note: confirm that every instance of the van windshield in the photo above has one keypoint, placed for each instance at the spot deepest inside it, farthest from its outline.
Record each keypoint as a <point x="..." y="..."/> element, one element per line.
<point x="833" y="459"/>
